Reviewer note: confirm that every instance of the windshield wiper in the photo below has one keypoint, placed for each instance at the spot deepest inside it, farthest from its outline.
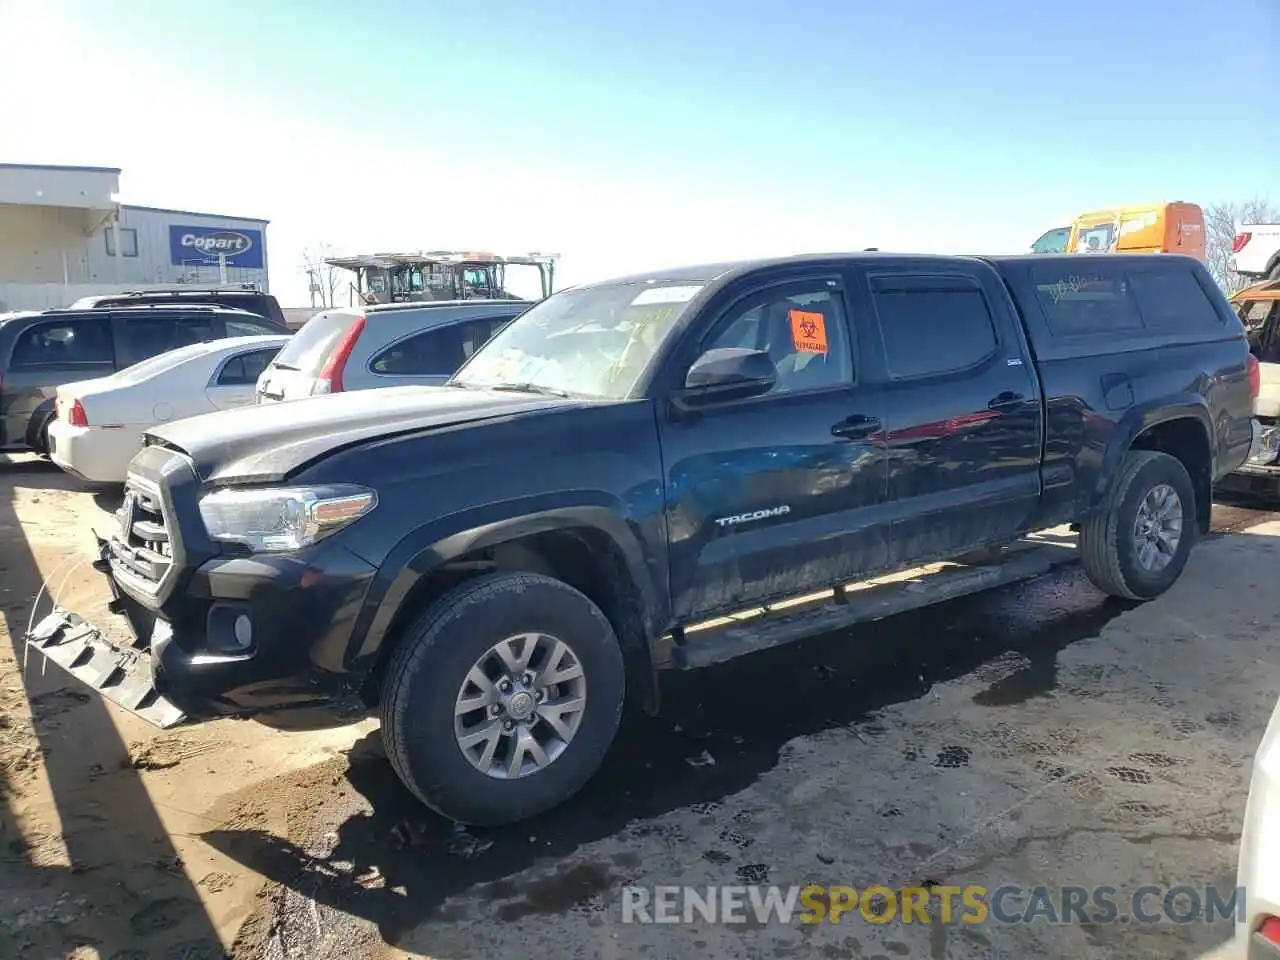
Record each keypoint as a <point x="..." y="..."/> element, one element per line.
<point x="531" y="388"/>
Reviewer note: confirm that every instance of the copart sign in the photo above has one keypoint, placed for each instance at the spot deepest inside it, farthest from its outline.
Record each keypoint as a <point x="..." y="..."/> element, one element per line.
<point x="190" y="244"/>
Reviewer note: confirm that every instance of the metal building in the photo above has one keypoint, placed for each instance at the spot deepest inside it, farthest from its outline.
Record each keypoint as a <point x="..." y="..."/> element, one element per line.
<point x="58" y="230"/>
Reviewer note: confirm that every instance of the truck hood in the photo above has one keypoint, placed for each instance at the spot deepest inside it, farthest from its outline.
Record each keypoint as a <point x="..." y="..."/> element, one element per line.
<point x="267" y="443"/>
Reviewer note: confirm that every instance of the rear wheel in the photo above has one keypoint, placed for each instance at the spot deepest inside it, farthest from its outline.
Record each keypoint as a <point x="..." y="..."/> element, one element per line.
<point x="1136" y="544"/>
<point x="503" y="698"/>
<point x="42" y="440"/>
<point x="37" y="433"/>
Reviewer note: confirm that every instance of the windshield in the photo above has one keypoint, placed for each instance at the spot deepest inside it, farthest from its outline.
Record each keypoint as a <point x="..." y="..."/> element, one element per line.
<point x="1052" y="241"/>
<point x="591" y="342"/>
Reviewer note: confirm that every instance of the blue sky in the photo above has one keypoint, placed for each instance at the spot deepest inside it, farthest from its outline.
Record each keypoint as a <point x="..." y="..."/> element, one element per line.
<point x="637" y="135"/>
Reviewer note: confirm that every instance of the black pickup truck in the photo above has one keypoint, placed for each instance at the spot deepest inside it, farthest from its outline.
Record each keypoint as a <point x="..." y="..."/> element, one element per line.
<point x="496" y="563"/>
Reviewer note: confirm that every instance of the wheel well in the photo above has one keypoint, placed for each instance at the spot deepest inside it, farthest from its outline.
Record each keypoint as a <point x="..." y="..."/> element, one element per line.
<point x="1186" y="439"/>
<point x="584" y="558"/>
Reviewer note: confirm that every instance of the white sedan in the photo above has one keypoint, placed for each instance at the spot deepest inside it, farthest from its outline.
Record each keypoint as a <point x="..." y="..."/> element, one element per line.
<point x="98" y="424"/>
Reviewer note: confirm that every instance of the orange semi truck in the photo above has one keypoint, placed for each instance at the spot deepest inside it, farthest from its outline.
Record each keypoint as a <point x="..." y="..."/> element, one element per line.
<point x="1175" y="227"/>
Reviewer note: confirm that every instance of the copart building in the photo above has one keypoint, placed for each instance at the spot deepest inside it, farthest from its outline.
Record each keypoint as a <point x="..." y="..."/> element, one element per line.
<point x="64" y="235"/>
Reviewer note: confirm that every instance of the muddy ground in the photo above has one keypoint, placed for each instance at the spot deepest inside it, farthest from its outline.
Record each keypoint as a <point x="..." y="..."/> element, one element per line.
<point x="1041" y="734"/>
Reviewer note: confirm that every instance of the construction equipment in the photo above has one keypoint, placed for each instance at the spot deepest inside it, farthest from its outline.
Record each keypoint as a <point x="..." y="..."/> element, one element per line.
<point x="441" y="275"/>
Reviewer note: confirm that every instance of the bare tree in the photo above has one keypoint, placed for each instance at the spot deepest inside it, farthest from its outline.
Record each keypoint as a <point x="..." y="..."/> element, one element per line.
<point x="323" y="279"/>
<point x="1221" y="222"/>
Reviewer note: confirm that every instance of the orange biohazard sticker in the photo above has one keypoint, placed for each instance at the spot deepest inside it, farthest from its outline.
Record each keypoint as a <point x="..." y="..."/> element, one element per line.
<point x="808" y="331"/>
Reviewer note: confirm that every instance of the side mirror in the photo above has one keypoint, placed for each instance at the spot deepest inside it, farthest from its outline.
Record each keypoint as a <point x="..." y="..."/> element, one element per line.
<point x="727" y="373"/>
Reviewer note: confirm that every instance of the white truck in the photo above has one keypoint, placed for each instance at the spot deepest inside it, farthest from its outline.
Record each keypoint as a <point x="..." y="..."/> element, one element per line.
<point x="1255" y="251"/>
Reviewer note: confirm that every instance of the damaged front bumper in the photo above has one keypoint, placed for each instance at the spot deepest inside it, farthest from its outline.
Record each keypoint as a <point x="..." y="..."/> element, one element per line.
<point x="125" y="675"/>
<point x="191" y="657"/>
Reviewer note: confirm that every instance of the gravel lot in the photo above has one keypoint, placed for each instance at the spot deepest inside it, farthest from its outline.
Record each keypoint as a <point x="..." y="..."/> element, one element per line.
<point x="1038" y="735"/>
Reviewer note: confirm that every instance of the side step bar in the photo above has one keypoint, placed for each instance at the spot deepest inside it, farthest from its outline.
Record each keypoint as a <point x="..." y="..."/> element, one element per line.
<point x="719" y="640"/>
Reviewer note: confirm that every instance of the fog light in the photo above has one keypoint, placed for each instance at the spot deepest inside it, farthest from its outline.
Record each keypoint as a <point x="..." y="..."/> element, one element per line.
<point x="243" y="630"/>
<point x="229" y="630"/>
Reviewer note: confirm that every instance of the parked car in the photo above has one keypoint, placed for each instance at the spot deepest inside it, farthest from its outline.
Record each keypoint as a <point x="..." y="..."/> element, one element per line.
<point x="98" y="424"/>
<point x="356" y="348"/>
<point x="41" y="351"/>
<point x="251" y="300"/>
<point x="1255" y="251"/>
<point x="1259" y="310"/>
<point x="1176" y="227"/>
<point x="1258" y="936"/>
<point x="493" y="564"/>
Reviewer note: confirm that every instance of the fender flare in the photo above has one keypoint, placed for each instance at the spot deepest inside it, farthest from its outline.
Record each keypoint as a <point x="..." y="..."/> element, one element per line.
<point x="1140" y="418"/>
<point x="431" y="546"/>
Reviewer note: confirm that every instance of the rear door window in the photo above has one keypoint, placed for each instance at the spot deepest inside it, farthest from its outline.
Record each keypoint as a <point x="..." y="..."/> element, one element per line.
<point x="64" y="343"/>
<point x="308" y="349"/>
<point x="1081" y="300"/>
<point x="438" y="352"/>
<point x="1173" y="300"/>
<point x="1095" y="239"/>
<point x="932" y="325"/>
<point x="147" y="335"/>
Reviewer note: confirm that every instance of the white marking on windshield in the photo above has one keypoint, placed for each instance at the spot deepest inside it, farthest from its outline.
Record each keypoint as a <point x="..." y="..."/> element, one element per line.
<point x="666" y="295"/>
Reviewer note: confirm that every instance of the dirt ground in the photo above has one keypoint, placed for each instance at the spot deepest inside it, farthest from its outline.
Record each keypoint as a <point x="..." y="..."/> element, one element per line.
<point x="1040" y="734"/>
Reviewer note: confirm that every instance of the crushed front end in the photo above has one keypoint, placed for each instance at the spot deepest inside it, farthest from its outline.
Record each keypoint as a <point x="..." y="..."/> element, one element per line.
<point x="218" y="630"/>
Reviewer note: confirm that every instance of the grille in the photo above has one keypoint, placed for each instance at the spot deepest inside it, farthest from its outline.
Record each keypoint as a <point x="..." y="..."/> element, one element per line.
<point x="141" y="545"/>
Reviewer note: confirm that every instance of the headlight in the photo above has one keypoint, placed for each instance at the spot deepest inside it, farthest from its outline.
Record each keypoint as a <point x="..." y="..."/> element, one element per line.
<point x="1266" y="445"/>
<point x="281" y="519"/>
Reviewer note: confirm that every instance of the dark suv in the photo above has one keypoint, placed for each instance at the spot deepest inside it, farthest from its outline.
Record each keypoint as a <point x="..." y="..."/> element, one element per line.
<point x="41" y="351"/>
<point x="254" y="301"/>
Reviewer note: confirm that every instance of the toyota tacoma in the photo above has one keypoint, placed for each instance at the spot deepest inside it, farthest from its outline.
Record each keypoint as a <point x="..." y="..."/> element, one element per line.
<point x="604" y="488"/>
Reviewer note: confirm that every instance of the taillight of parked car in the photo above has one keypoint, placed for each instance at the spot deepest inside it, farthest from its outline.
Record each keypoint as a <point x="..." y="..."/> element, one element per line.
<point x="76" y="416"/>
<point x="1255" y="376"/>
<point x="1270" y="931"/>
<point x="1240" y="239"/>
<point x="330" y="379"/>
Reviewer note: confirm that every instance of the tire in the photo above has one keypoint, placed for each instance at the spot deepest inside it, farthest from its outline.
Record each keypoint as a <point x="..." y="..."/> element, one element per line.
<point x="435" y="657"/>
<point x="1108" y="543"/>
<point x="38" y="434"/>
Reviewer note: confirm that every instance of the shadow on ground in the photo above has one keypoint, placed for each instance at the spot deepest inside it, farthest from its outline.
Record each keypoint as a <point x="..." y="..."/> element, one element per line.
<point x="739" y="714"/>
<point x="121" y="887"/>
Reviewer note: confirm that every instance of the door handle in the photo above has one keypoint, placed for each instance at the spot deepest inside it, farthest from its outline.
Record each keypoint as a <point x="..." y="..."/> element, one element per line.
<point x="1004" y="401"/>
<point x="857" y="427"/>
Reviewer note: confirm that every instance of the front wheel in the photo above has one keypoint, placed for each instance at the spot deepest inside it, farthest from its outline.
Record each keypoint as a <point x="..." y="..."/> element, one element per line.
<point x="1137" y="542"/>
<point x="503" y="698"/>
